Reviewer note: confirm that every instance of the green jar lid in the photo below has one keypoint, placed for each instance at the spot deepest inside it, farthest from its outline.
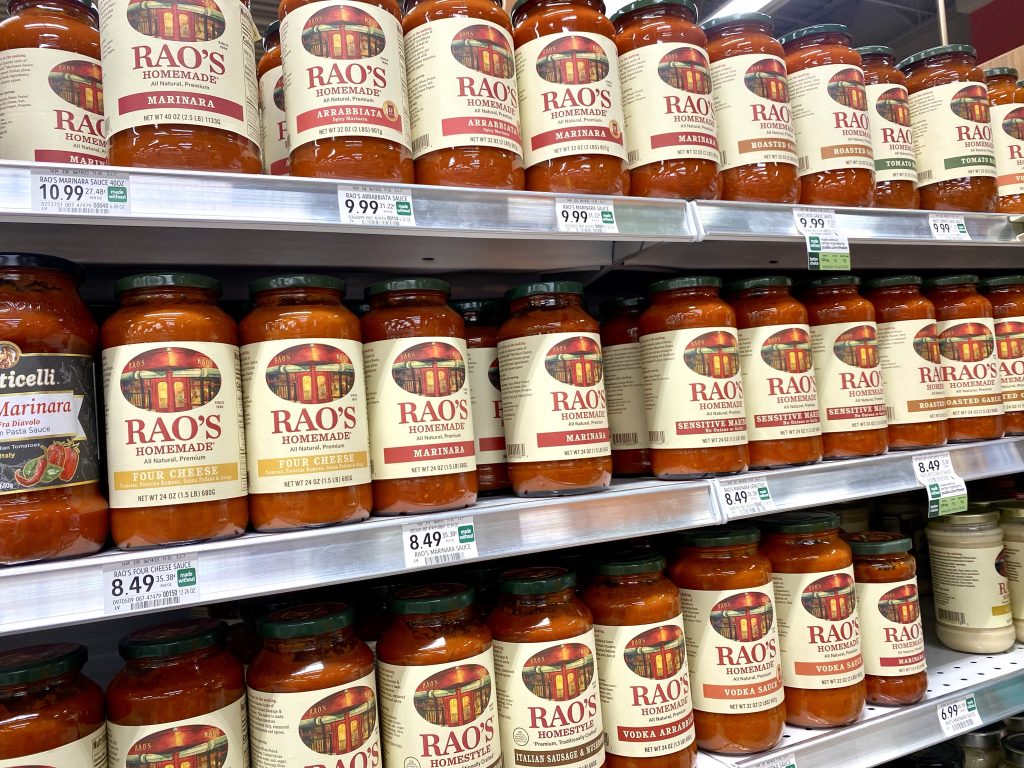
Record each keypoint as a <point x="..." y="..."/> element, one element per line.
<point x="771" y="281"/>
<point x="280" y="282"/>
<point x="273" y="28"/>
<point x="1001" y="72"/>
<point x="799" y="522"/>
<point x="1011" y="511"/>
<point x="431" y="598"/>
<point x="877" y="543"/>
<point x="822" y="282"/>
<point x="739" y="18"/>
<point x="625" y="302"/>
<point x="728" y="535"/>
<point x="484" y="306"/>
<point x="13" y="259"/>
<point x="173" y="639"/>
<point x="979" y="517"/>
<point x="941" y="50"/>
<point x="636" y="5"/>
<point x="39" y="662"/>
<point x="892" y="281"/>
<point x="538" y="289"/>
<point x="409" y="284"/>
<point x="876" y="50"/>
<point x="537" y="581"/>
<point x="166" y="279"/>
<point x="677" y="283"/>
<point x="306" y="621"/>
<point x="997" y="282"/>
<point x="813" y="30"/>
<point x="944" y="755"/>
<point x="944" y="280"/>
<point x="631" y="565"/>
<point x="1020" y="83"/>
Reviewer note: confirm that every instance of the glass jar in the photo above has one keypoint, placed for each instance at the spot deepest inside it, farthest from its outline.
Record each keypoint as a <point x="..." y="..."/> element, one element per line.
<point x="371" y="608"/>
<point x="812" y="571"/>
<point x="1005" y="99"/>
<point x="565" y="393"/>
<point x="728" y="599"/>
<point x="274" y="120"/>
<point x="569" y="61"/>
<point x="952" y="137"/>
<point x="51" y="505"/>
<point x="779" y="390"/>
<point x="172" y="390"/>
<point x="1007" y="296"/>
<point x="982" y="748"/>
<point x="1013" y="750"/>
<point x="624" y="385"/>
<point x="755" y="122"/>
<point x="854" y="516"/>
<point x="907" y="515"/>
<point x="688" y="346"/>
<point x="670" y="118"/>
<point x="421" y="427"/>
<point x="1011" y="516"/>
<point x="944" y="755"/>
<point x="1013" y="724"/>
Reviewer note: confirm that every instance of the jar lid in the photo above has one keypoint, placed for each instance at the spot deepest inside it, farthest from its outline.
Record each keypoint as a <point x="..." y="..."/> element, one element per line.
<point x="938" y="282"/>
<point x="761" y="282"/>
<point x="172" y="639"/>
<point x="799" y="522"/>
<point x="1001" y="72"/>
<point x="306" y="621"/>
<point x="967" y="518"/>
<point x="165" y="279"/>
<point x="40" y="261"/>
<point x="983" y="738"/>
<point x="1011" y="511"/>
<point x="738" y="18"/>
<point x="728" y="535"/>
<point x="632" y="564"/>
<point x="278" y="282"/>
<point x="941" y="50"/>
<point x="538" y="289"/>
<point x="877" y="543"/>
<point x="38" y="662"/>
<point x="537" y="581"/>
<point x="815" y="29"/>
<point x="822" y="282"/>
<point x="996" y="282"/>
<point x="409" y="284"/>
<point x="891" y="281"/>
<point x="273" y="28"/>
<point x="1013" y="749"/>
<point x="462" y="306"/>
<point x="257" y="609"/>
<point x="431" y="598"/>
<point x="944" y="755"/>
<point x="675" y="283"/>
<point x="1014" y="723"/>
<point x="624" y="302"/>
<point x="876" y="50"/>
<point x="636" y="5"/>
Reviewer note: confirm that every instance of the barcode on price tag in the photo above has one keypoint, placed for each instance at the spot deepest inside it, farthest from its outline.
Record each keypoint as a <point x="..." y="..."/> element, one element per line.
<point x="744" y="496"/>
<point x="439" y="543"/>
<point x="947" y="491"/>
<point x="948" y="227"/>
<point x="959" y="716"/>
<point x="787" y="760"/>
<point x="155" y="582"/>
<point x="827" y="246"/>
<point x="88" y="192"/>
<point x="376" y="207"/>
<point x="582" y="215"/>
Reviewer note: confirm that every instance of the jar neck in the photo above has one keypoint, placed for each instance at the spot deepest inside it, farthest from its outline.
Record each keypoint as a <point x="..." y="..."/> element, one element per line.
<point x="549" y="5"/>
<point x="170" y="661"/>
<point x="879" y="60"/>
<point x="1006" y="289"/>
<point x="168" y="295"/>
<point x="310" y="643"/>
<point x="834" y="39"/>
<point x="909" y="291"/>
<point x="271" y="42"/>
<point x="630" y="580"/>
<point x="438" y="620"/>
<point x="682" y="294"/>
<point x="29" y="278"/>
<point x="723" y="553"/>
<point x="408" y="298"/>
<point x="739" y="29"/>
<point x="37" y="686"/>
<point x="834" y="291"/>
<point x="662" y="11"/>
<point x="633" y="312"/>
<point x="780" y="291"/>
<point x="816" y="537"/>
<point x="944" y="61"/>
<point x="291" y="297"/>
<point x="546" y="301"/>
<point x="1008" y="80"/>
<point x="67" y="7"/>
<point x="949" y="290"/>
<point x="547" y="599"/>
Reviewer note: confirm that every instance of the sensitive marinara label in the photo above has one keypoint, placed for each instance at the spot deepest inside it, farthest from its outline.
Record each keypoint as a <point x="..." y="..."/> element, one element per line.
<point x="570" y="98"/>
<point x="645" y="688"/>
<point x="952" y="133"/>
<point x="88" y="752"/>
<point x="418" y="399"/>
<point x="305" y="415"/>
<point x="1008" y="139"/>
<point x="485" y="392"/>
<point x="970" y="587"/>
<point x="890" y="626"/>
<point x="908" y="356"/>
<point x="549" y="707"/>
<point x="1010" y="351"/>
<point x="344" y="73"/>
<point x="970" y="368"/>
<point x="174" y="429"/>
<point x="275" y="122"/>
<point x="733" y="641"/>
<point x="892" y="138"/>
<point x="850" y="393"/>
<point x="625" y="390"/>
<point x="51" y="107"/>
<point x="553" y="397"/>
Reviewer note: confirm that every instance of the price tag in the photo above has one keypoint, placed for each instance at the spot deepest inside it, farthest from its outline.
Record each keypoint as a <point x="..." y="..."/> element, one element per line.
<point x="827" y="247"/>
<point x="376" y="207"/>
<point x="439" y="542"/>
<point x="156" y="582"/>
<point x="744" y="496"/>
<point x="947" y="492"/>
<point x="89" y="192"/>
<point x="948" y="227"/>
<point x="787" y="760"/>
<point x="581" y="215"/>
<point x="959" y="716"/>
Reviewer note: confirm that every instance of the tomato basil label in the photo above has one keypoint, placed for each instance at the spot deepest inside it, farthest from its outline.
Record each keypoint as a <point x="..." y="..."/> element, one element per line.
<point x="970" y="368"/>
<point x="890" y="625"/>
<point x="892" y="138"/>
<point x="625" y="390"/>
<point x="88" y="752"/>
<point x="952" y="132"/>
<point x="850" y="394"/>
<point x="908" y="356"/>
<point x="1010" y="351"/>
<point x="275" y="123"/>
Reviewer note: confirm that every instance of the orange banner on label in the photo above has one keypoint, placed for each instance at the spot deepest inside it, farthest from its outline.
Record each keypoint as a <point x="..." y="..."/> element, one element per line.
<point x="176" y="476"/>
<point x="307" y="465"/>
<point x="846" y="150"/>
<point x="836" y="667"/>
<point x="1013" y="395"/>
<point x="931" y="404"/>
<point x="742" y="691"/>
<point x="974" y="401"/>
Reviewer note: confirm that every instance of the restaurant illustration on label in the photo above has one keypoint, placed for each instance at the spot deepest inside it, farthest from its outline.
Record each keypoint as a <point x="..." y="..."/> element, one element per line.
<point x="455" y="696"/>
<point x="311" y="374"/>
<point x="481" y="48"/>
<point x="656" y="654"/>
<point x="432" y="369"/>
<point x="181" y="747"/>
<point x="170" y="380"/>
<point x="788" y="351"/>
<point x="767" y="78"/>
<point x="894" y="106"/>
<point x="926" y="343"/>
<point x="343" y="32"/>
<point x="745" y="617"/>
<point x="966" y="343"/>
<point x="1010" y="351"/>
<point x="341" y="722"/>
<point x="900" y="605"/>
<point x="858" y="347"/>
<point x="971" y="103"/>
<point x="686" y="68"/>
<point x="831" y="598"/>
<point x="714" y="354"/>
<point x="79" y="83"/>
<point x="847" y="88"/>
<point x="184" y="22"/>
<point x="559" y="673"/>
<point x="576" y="361"/>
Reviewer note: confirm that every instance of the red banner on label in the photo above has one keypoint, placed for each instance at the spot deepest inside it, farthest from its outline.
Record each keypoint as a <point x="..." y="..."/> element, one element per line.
<point x="574" y="437"/>
<point x="580" y="133"/>
<point x="1010" y="178"/>
<point x="902" y="661"/>
<point x="786" y="419"/>
<point x="492" y="443"/>
<point x="432" y="452"/>
<point x="57" y="156"/>
<point x="742" y="691"/>
<point x="177" y="100"/>
<point x="683" y="139"/>
<point x="711" y="426"/>
<point x="640" y="734"/>
<point x="825" y="668"/>
<point x="855" y="412"/>
<point x="353" y="114"/>
<point x="454" y="126"/>
<point x="279" y="167"/>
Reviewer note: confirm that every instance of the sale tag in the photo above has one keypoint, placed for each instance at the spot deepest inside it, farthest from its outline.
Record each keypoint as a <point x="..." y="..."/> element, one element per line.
<point x="90" y="192"/>
<point x="439" y="542"/>
<point x="959" y="716"/>
<point x="945" y="227"/>
<point x="376" y="207"/>
<point x="744" y="496"/>
<point x="827" y="247"/>
<point x="155" y="582"/>
<point x="787" y="760"/>
<point x="947" y="492"/>
<point x="582" y="215"/>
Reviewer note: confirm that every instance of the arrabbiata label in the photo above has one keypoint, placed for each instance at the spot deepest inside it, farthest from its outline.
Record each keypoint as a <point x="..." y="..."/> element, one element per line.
<point x="850" y="393"/>
<point x="892" y="138"/>
<point x="275" y="122"/>
<point x="952" y="132"/>
<point x="890" y="625"/>
<point x="970" y="368"/>
<point x="908" y="353"/>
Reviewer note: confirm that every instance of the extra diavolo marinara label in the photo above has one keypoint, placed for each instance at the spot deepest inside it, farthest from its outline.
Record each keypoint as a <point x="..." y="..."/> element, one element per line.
<point x="892" y="138"/>
<point x="275" y="122"/>
<point x="87" y="752"/>
<point x="970" y="368"/>
<point x="846" y="368"/>
<point x="1008" y="140"/>
<point x="1010" y="351"/>
<point x="908" y="355"/>
<point x="890" y="626"/>
<point x="952" y="132"/>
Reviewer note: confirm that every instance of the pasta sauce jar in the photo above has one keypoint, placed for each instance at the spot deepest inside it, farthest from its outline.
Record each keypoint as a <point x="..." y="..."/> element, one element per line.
<point x="304" y="401"/>
<point x="620" y="347"/>
<point x="274" y="120"/>
<point x="173" y="398"/>
<point x="570" y="99"/>
<point x="1007" y="296"/>
<point x="692" y="388"/>
<point x="666" y="93"/>
<point x="1006" y="105"/>
<point x="755" y="121"/>
<point x="830" y="115"/>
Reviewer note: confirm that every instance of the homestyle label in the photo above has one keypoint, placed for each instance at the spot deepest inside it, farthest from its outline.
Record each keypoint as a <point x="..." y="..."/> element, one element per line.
<point x="952" y="132"/>
<point x="890" y="624"/>
<point x="850" y="393"/>
<point x="87" y="752"/>
<point x="624" y="387"/>
<point x="908" y="357"/>
<point x="275" y="122"/>
<point x="892" y="138"/>
<point x="970" y="368"/>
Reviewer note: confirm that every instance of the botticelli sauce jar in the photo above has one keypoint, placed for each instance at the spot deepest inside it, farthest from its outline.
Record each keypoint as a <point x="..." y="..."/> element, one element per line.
<point x="272" y="116"/>
<point x="624" y="386"/>
<point x="755" y="122"/>
<point x="1007" y="296"/>
<point x="1011" y="517"/>
<point x="304" y="404"/>
<point x="1006" y="105"/>
<point x="172" y="389"/>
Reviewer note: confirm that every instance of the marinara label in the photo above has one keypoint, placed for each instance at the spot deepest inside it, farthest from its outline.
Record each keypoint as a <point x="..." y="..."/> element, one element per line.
<point x="344" y="73"/>
<point x="693" y="391"/>
<point x="570" y="98"/>
<point x="892" y="138"/>
<point x="780" y="391"/>
<point x="970" y="368"/>
<point x="88" y="752"/>
<point x="329" y="726"/>
<point x="624" y="387"/>
<point x="755" y="122"/>
<point x="890" y="626"/>
<point x="666" y="98"/>
<point x="645" y="688"/>
<point x="1008" y="139"/>
<point x="1013" y="564"/>
<point x="462" y="86"/>
<point x="1010" y="351"/>
<point x="553" y="397"/>
<point x="952" y="134"/>
<point x="305" y="415"/>
<point x="485" y="392"/>
<point x="193" y="65"/>
<point x="732" y="638"/>
<point x="440" y="715"/>
<point x="818" y="629"/>
<point x="174" y="427"/>
<point x="275" y="122"/>
<point x="51" y="107"/>
<point x="850" y="393"/>
<point x="970" y="587"/>
<point x="549" y="707"/>
<point x="421" y="421"/>
<point x="908" y="356"/>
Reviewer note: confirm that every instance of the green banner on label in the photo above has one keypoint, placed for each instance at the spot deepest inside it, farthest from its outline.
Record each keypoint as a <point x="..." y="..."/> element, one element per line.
<point x="965" y="161"/>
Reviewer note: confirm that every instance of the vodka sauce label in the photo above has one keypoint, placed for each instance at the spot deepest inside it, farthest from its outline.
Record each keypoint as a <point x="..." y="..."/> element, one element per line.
<point x="693" y="391"/>
<point x="418" y="399"/>
<point x="553" y="397"/>
<point x="275" y="122"/>
<point x="952" y="134"/>
<point x="625" y="390"/>
<point x="667" y="102"/>
<point x="462" y="86"/>
<point x="970" y="587"/>
<point x="51" y="107"/>
<point x="88" y="752"/>
<point x="344" y="73"/>
<point x="1008" y="140"/>
<point x="890" y="626"/>
<point x="174" y="427"/>
<point x="570" y="98"/>
<point x="304" y="405"/>
<point x="850" y="393"/>
<point x="908" y="356"/>
<point x="1010" y="351"/>
<point x="970" y="368"/>
<point x="892" y="138"/>
<point x="485" y="396"/>
<point x="549" y="707"/>
<point x="755" y="122"/>
<point x="645" y="688"/>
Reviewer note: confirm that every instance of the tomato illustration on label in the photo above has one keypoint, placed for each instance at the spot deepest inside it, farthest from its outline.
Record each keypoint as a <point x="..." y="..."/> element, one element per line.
<point x="58" y="462"/>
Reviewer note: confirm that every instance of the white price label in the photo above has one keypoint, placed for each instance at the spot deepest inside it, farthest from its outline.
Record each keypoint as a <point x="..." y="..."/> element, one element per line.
<point x="948" y="227"/>
<point x="827" y="246"/>
<point x="376" y="207"/>
<point x="582" y="215"/>
<point x="959" y="716"/>
<point x="155" y="582"/>
<point x="787" y="760"/>
<point x="94" y="193"/>
<point x="744" y="496"/>
<point x="439" y="542"/>
<point x="947" y="492"/>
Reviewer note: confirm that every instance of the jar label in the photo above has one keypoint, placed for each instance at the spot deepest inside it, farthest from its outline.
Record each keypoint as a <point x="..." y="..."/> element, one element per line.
<point x="970" y="368"/>
<point x="1008" y="139"/>
<point x="892" y="138"/>
<point x="344" y="73"/>
<point x="88" y="752"/>
<point x="336" y="725"/>
<point x="462" y="86"/>
<point x="440" y="714"/>
<point x="890" y="626"/>
<point x="755" y="122"/>
<point x="908" y="355"/>
<point x="549" y="707"/>
<point x="818" y="629"/>
<point x="952" y="134"/>
<point x="970" y="586"/>
<point x="222" y="737"/>
<point x="780" y="391"/>
<point x="666" y="98"/>
<point x="304" y="406"/>
<point x="693" y="391"/>
<point x="419" y="404"/>
<point x="192" y="65"/>
<point x="1010" y="350"/>
<point x="275" y="122"/>
<point x="553" y="397"/>
<point x="624" y="387"/>
<point x="645" y="689"/>
<point x="733" y="641"/>
<point x="570" y="99"/>
<point x="1013" y="563"/>
<point x="51" y="107"/>
<point x="485" y="394"/>
<point x="850" y="393"/>
<point x="174" y="431"/>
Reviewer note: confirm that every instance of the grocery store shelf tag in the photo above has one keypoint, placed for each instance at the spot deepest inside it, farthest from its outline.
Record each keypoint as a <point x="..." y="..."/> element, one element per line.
<point x="827" y="247"/>
<point x="596" y="217"/>
<point x="743" y="496"/>
<point x="945" y="227"/>
<point x="441" y="542"/>
<point x="88" y="192"/>
<point x="787" y="760"/>
<point x="947" y="492"/>
<point x="165" y="581"/>
<point x="375" y="207"/>
<point x="959" y="716"/>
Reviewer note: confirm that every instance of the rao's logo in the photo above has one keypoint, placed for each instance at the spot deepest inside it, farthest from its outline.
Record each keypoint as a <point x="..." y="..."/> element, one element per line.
<point x="454" y="696"/>
<point x="900" y="605"/>
<point x="687" y="70"/>
<point x="767" y="79"/>
<point x="1009" y="339"/>
<point x="657" y="653"/>
<point x="966" y="342"/>
<point x="743" y="618"/>
<point x="484" y="49"/>
<point x="847" y="88"/>
<point x="714" y="354"/>
<point x="343" y="32"/>
<point x="788" y="350"/>
<point x="79" y="83"/>
<point x="971" y="103"/>
<point x="180" y="746"/>
<point x="561" y="672"/>
<point x="170" y="380"/>
<point x="183" y="21"/>
<point x="431" y="369"/>
<point x="858" y="347"/>
<point x="341" y="722"/>
<point x="311" y="374"/>
<point x="831" y="598"/>
<point x="576" y="361"/>
<point x="573" y="60"/>
<point x="894" y="106"/>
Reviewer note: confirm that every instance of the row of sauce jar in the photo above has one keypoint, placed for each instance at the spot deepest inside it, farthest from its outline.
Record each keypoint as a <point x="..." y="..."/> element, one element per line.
<point x="999" y="745"/>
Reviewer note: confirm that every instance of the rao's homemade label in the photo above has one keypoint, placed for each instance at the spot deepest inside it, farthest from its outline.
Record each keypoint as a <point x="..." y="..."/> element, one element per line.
<point x="890" y="625"/>
<point x="908" y="356"/>
<point x="174" y="427"/>
<point x="830" y="114"/>
<point x="275" y="122"/>
<point x="892" y="138"/>
<point x="952" y="133"/>
<point x="1008" y="140"/>
<point x="625" y="389"/>
<point x="485" y="391"/>
<point x="970" y="368"/>
<point x="850" y="393"/>
<point x="970" y="586"/>
<point x="88" y="752"/>
<point x="1010" y="351"/>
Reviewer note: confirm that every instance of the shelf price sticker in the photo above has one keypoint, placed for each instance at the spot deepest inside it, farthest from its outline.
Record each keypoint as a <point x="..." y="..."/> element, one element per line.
<point x="84" y="192"/>
<point x="785" y="760"/>
<point x="827" y="246"/>
<point x="947" y="492"/>
<point x="580" y="215"/>
<point x="744" y="496"/>
<point x="945" y="227"/>
<point x="375" y="207"/>
<point x="959" y="716"/>
<point x="164" y="581"/>
<point x="441" y="542"/>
